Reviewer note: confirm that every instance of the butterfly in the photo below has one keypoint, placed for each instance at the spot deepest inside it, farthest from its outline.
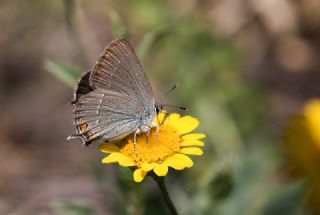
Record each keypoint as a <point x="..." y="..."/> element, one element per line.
<point x="115" y="98"/>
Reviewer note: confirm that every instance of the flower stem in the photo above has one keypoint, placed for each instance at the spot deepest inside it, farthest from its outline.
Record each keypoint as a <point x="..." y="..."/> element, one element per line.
<point x="165" y="194"/>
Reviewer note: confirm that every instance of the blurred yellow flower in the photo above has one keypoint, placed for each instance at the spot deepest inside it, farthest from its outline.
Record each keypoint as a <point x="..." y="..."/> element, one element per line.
<point x="167" y="149"/>
<point x="302" y="144"/>
<point x="312" y="113"/>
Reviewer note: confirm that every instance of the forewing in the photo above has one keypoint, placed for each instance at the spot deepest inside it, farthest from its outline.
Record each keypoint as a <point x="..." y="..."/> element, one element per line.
<point x="105" y="114"/>
<point x="119" y="70"/>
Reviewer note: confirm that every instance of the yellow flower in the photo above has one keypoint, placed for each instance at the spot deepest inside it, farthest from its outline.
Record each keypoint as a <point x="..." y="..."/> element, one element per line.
<point x="167" y="149"/>
<point x="312" y="114"/>
<point x="302" y="144"/>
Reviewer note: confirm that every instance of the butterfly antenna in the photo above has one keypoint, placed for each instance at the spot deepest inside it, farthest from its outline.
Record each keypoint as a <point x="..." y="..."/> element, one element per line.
<point x="174" y="106"/>
<point x="166" y="115"/>
<point x="172" y="89"/>
<point x="158" y="119"/>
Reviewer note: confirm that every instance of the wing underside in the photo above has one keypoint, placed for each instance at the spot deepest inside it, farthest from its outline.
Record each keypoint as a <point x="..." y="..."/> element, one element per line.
<point x="111" y="99"/>
<point x="119" y="69"/>
<point x="105" y="114"/>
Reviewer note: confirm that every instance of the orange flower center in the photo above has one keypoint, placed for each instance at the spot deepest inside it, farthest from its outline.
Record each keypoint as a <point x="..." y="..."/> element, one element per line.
<point x="154" y="150"/>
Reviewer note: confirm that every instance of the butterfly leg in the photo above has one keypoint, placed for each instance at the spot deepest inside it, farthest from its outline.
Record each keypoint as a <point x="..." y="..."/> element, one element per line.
<point x="138" y="131"/>
<point x="155" y="125"/>
<point x="146" y="130"/>
<point x="147" y="137"/>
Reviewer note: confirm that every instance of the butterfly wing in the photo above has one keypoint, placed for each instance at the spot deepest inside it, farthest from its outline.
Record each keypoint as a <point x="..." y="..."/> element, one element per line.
<point x="119" y="69"/>
<point x="105" y="114"/>
<point x="111" y="101"/>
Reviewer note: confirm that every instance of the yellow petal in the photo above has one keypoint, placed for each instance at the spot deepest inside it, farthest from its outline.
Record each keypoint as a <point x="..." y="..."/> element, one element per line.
<point x="193" y="136"/>
<point x="179" y="161"/>
<point x="147" y="166"/>
<point x="120" y="158"/>
<point x="112" y="158"/>
<point x="108" y="148"/>
<point x="138" y="175"/>
<point x="185" y="124"/>
<point x="160" y="117"/>
<point x="161" y="169"/>
<point x="192" y="143"/>
<point x="191" y="151"/>
<point x="172" y="118"/>
<point x="126" y="161"/>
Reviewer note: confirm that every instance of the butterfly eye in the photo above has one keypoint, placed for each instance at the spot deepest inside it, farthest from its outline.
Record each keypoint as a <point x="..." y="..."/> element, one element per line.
<point x="158" y="108"/>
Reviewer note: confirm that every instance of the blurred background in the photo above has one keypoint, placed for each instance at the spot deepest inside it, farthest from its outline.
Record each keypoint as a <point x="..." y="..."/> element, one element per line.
<point x="247" y="69"/>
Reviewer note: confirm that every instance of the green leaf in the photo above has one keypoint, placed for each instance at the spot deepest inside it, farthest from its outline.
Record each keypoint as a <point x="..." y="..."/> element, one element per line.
<point x="66" y="73"/>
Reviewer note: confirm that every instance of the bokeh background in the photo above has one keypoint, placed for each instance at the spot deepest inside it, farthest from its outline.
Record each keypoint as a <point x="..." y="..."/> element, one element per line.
<point x="247" y="69"/>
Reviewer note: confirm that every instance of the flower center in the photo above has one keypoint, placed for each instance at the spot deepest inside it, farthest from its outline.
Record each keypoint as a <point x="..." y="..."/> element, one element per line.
<point x="154" y="150"/>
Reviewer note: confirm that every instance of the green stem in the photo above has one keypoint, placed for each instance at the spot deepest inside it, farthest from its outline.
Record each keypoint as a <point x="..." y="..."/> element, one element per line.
<point x="165" y="194"/>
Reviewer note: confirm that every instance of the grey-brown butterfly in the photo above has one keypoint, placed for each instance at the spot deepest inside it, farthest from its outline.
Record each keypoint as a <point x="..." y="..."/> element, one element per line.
<point x="115" y="98"/>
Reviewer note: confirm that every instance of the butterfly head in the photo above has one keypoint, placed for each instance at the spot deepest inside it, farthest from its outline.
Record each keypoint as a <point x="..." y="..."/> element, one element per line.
<point x="158" y="108"/>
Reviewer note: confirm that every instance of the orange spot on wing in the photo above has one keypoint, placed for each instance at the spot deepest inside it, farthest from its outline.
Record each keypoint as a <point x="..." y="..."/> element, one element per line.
<point x="83" y="127"/>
